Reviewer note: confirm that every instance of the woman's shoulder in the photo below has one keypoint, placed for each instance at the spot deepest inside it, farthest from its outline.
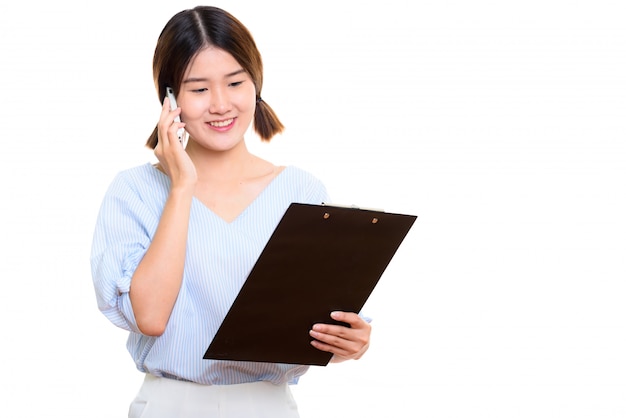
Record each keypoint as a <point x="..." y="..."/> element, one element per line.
<point x="140" y="173"/>
<point x="297" y="173"/>
<point x="141" y="179"/>
<point x="304" y="183"/>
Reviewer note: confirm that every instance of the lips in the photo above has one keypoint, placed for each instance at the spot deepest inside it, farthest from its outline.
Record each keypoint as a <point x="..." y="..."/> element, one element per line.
<point x="222" y="123"/>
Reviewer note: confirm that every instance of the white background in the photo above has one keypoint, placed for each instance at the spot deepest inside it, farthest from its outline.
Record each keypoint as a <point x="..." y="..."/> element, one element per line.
<point x="500" y="124"/>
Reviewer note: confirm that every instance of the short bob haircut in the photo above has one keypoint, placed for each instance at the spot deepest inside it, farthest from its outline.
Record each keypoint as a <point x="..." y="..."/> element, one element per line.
<point x="190" y="31"/>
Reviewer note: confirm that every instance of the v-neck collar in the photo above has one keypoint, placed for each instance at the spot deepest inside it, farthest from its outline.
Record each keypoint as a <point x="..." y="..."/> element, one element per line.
<point x="256" y="201"/>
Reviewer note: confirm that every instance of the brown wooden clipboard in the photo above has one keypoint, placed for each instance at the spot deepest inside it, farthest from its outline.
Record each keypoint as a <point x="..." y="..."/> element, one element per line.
<point x="320" y="258"/>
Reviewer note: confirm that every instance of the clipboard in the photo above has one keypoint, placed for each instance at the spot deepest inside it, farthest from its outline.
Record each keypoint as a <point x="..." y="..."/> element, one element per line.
<point x="320" y="258"/>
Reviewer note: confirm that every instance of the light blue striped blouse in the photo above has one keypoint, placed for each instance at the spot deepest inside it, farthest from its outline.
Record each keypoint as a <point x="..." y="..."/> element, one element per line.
<point x="219" y="258"/>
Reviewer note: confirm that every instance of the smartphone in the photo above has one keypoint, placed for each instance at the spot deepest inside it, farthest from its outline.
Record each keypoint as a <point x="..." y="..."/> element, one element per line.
<point x="173" y="106"/>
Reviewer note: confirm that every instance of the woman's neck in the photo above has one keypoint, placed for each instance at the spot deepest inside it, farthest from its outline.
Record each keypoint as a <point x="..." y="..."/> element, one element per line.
<point x="224" y="166"/>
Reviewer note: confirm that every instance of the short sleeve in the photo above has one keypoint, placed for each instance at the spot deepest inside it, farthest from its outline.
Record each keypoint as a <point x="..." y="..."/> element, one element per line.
<point x="123" y="232"/>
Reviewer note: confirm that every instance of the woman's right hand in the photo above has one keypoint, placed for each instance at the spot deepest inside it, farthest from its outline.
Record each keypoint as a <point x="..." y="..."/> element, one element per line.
<point x="173" y="159"/>
<point x="157" y="279"/>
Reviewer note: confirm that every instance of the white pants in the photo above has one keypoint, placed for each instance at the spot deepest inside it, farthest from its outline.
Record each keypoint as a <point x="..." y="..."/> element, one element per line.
<point x="159" y="397"/>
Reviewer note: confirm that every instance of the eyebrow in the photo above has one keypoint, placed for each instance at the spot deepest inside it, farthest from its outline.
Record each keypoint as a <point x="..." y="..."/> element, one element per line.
<point x="202" y="79"/>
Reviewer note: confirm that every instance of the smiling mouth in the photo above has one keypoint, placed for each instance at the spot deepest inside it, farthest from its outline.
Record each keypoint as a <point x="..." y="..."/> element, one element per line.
<point x="221" y="123"/>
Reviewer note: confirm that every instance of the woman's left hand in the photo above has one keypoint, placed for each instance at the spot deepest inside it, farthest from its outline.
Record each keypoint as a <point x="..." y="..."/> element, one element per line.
<point x="346" y="343"/>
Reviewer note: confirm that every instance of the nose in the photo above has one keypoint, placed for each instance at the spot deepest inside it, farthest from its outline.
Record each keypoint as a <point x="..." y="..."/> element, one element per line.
<point x="219" y="101"/>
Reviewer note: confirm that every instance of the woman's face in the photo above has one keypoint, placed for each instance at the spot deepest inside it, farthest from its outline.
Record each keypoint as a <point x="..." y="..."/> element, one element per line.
<point x="217" y="98"/>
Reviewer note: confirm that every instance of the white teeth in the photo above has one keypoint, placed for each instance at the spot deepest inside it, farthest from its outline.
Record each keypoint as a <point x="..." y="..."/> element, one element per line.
<point x="221" y="124"/>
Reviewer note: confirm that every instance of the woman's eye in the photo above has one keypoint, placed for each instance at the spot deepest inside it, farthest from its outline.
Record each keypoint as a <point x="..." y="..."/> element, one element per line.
<point x="236" y="83"/>
<point x="199" y="90"/>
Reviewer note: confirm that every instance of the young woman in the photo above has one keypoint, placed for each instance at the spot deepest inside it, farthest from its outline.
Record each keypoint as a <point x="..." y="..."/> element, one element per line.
<point x="174" y="241"/>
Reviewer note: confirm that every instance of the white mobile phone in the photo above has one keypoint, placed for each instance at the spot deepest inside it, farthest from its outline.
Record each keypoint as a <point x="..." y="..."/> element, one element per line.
<point x="173" y="106"/>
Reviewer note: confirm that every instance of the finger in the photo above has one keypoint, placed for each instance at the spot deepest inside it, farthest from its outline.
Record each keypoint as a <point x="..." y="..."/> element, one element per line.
<point x="353" y="320"/>
<point x="340" y="336"/>
<point x="166" y="104"/>
<point x="172" y="132"/>
<point x="338" y="346"/>
<point x="172" y="126"/>
<point x="167" y="125"/>
<point x="165" y="111"/>
<point x="330" y="348"/>
<point x="329" y="338"/>
<point x="328" y="329"/>
<point x="350" y="318"/>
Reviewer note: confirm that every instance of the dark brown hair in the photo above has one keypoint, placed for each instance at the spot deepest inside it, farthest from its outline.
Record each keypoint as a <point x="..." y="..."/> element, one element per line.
<point x="190" y="31"/>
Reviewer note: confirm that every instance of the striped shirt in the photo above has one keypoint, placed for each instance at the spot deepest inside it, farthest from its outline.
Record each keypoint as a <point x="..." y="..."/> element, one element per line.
<point x="219" y="257"/>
